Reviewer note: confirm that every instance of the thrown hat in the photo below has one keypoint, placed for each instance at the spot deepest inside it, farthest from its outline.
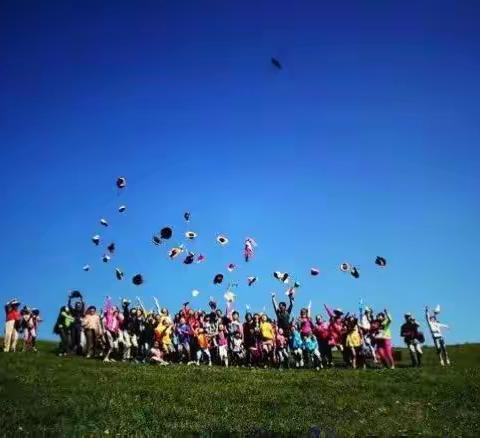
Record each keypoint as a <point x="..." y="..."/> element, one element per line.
<point x="104" y="222"/>
<point x="338" y="311"/>
<point x="105" y="258"/>
<point x="191" y="235"/>
<point x="121" y="182"/>
<point x="137" y="279"/>
<point x="290" y="292"/>
<point x="86" y="268"/>
<point x="195" y="293"/>
<point x="314" y="272"/>
<point x="200" y="258"/>
<point x="96" y="239"/>
<point x="111" y="248"/>
<point x="156" y="239"/>
<point x="229" y="296"/>
<point x="189" y="259"/>
<point x="122" y="208"/>
<point x="251" y="280"/>
<point x="186" y="216"/>
<point x="345" y="267"/>
<point x="380" y="261"/>
<point x="437" y="309"/>
<point x="281" y="276"/>
<point x="296" y="285"/>
<point x="276" y="63"/>
<point x="354" y="272"/>
<point x="118" y="274"/>
<point x="175" y="251"/>
<point x="166" y="233"/>
<point x="218" y="279"/>
<point x="231" y="267"/>
<point x="222" y="240"/>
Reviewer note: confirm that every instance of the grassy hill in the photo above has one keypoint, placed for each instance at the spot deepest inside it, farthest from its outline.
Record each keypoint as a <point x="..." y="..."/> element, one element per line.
<point x="43" y="394"/>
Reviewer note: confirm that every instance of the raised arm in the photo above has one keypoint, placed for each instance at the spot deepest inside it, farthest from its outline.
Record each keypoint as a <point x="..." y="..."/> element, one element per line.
<point x="329" y="311"/>
<point x="290" y="306"/>
<point x="274" y="302"/>
<point x="387" y="316"/>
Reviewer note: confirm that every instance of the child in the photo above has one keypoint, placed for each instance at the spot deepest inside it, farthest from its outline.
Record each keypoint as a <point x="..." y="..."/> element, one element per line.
<point x="184" y="333"/>
<point x="12" y="324"/>
<point x="222" y="343"/>
<point x="281" y="348"/>
<point x="268" y="337"/>
<point x="321" y="331"/>
<point x="238" y="350"/>
<point x="203" y="345"/>
<point x="436" y="332"/>
<point x="353" y="341"/>
<point x="412" y="338"/>
<point x="111" y="327"/>
<point x="367" y="329"/>
<point x="62" y="328"/>
<point x="310" y="347"/>
<point x="296" y="345"/>
<point x="163" y="334"/>
<point x="155" y="355"/>
<point x="383" y="339"/>
<point x="93" y="330"/>
<point x="30" y="330"/>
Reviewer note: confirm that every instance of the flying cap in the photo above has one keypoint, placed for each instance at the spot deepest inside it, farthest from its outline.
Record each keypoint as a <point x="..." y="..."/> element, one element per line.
<point x="137" y="279"/>
<point x="354" y="272"/>
<point x="200" y="258"/>
<point x="122" y="208"/>
<point x="314" y="272"/>
<point x="189" y="259"/>
<point x="166" y="233"/>
<point x="296" y="285"/>
<point x="121" y="182"/>
<point x="251" y="280"/>
<point x="105" y="258"/>
<point x="437" y="309"/>
<point x="229" y="296"/>
<point x="231" y="267"/>
<point x="338" y="311"/>
<point x="276" y="63"/>
<point x="380" y="261"/>
<point x="345" y="267"/>
<point x="191" y="235"/>
<point x="281" y="276"/>
<point x="111" y="248"/>
<point x="222" y="240"/>
<point x="290" y="292"/>
<point x="104" y="222"/>
<point x="96" y="239"/>
<point x="175" y="251"/>
<point x="156" y="239"/>
<point x="195" y="293"/>
<point x="218" y="279"/>
<point x="118" y="274"/>
<point x="186" y="216"/>
<point x="86" y="268"/>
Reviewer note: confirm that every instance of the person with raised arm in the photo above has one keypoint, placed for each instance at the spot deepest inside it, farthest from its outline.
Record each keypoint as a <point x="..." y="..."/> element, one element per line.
<point x="435" y="327"/>
<point x="283" y="314"/>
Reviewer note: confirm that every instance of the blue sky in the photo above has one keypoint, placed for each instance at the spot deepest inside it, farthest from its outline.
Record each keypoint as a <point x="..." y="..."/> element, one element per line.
<point x="365" y="144"/>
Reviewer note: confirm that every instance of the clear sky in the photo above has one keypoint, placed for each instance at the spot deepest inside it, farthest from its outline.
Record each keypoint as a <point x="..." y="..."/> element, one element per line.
<point x="365" y="144"/>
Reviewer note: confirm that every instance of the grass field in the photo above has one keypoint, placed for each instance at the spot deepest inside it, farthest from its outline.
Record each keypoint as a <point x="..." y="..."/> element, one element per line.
<point x="43" y="394"/>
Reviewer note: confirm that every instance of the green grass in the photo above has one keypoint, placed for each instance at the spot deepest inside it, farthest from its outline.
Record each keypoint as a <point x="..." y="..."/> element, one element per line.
<point x="43" y="394"/>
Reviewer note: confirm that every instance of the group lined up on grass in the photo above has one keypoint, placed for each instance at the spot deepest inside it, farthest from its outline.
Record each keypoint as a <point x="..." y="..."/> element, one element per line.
<point x="194" y="336"/>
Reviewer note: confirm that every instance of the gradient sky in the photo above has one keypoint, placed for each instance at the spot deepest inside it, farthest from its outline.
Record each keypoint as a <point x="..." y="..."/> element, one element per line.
<point x="365" y="144"/>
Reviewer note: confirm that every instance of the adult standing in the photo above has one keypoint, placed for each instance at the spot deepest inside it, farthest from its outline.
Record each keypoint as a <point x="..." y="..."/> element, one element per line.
<point x="12" y="324"/>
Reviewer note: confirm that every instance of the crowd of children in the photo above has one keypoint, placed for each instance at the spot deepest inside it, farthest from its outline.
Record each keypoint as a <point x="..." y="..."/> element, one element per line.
<point x="131" y="333"/>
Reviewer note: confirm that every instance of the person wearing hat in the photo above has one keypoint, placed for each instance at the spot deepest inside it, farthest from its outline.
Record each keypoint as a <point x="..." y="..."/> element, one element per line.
<point x="77" y="310"/>
<point x="283" y="314"/>
<point x="437" y="336"/>
<point x="413" y="339"/>
<point x="12" y="325"/>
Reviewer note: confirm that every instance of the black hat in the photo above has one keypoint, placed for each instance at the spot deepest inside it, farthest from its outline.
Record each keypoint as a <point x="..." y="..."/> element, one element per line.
<point x="121" y="182"/>
<point x="105" y="258"/>
<point x="276" y="63"/>
<point x="111" y="248"/>
<point x="96" y="239"/>
<point x="354" y="272"/>
<point x="222" y="240"/>
<point x="380" y="261"/>
<point x="189" y="259"/>
<point x="122" y="208"/>
<point x="251" y="280"/>
<point x="86" y="268"/>
<point x="186" y="216"/>
<point x="104" y="222"/>
<point x="118" y="274"/>
<point x="218" y="279"/>
<point x="75" y="294"/>
<point x="314" y="271"/>
<point x="137" y="279"/>
<point x="156" y="239"/>
<point x="166" y="233"/>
